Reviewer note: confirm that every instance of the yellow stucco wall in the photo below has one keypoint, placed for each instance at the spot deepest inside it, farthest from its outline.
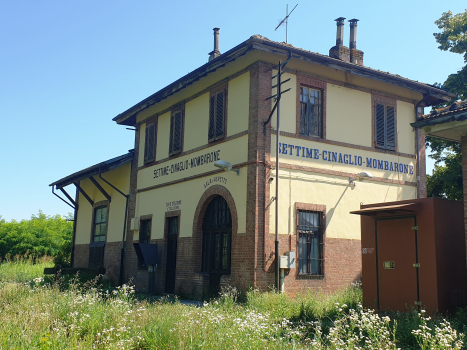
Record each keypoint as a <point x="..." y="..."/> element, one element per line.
<point x="120" y="178"/>
<point x="348" y="115"/>
<point x="405" y="133"/>
<point x="339" y="197"/>
<point x="343" y="167"/>
<point x="157" y="201"/>
<point x="196" y="122"/>
<point x="234" y="151"/>
<point x="238" y="104"/>
<point x="189" y="192"/>
<point x="288" y="111"/>
<point x="163" y="136"/>
<point x="334" y="191"/>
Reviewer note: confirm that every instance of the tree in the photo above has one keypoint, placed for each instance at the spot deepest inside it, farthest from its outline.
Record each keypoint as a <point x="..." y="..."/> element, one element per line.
<point x="42" y="235"/>
<point x="446" y="180"/>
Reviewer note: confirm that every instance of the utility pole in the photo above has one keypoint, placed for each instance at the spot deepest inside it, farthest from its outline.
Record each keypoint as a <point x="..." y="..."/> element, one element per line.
<point x="277" y="97"/>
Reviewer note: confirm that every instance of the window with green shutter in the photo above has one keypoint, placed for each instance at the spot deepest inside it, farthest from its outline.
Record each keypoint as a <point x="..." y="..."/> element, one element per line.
<point x="150" y="143"/>
<point x="385" y="126"/>
<point x="176" y="132"/>
<point x="217" y="115"/>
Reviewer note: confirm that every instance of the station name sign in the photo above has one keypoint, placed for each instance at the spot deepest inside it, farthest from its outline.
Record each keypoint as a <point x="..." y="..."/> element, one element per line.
<point x="187" y="164"/>
<point x="345" y="158"/>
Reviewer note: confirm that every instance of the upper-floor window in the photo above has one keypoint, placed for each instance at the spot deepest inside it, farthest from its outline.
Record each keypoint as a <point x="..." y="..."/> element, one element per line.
<point x="385" y="126"/>
<point x="100" y="224"/>
<point x="217" y="112"/>
<point x="176" y="132"/>
<point x="310" y="242"/>
<point x="150" y="143"/>
<point x="311" y="118"/>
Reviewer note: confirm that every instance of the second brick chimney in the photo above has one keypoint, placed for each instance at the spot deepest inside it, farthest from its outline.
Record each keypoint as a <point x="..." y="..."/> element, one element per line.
<point x="340" y="51"/>
<point x="356" y="56"/>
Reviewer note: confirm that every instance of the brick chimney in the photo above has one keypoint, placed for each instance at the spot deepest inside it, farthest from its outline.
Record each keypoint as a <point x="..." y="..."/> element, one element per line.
<point x="216" y="52"/>
<point x="356" y="56"/>
<point x="340" y="51"/>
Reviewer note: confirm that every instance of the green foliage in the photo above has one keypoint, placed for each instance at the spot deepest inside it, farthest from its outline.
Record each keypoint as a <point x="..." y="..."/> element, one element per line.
<point x="453" y="36"/>
<point x="446" y="181"/>
<point x="41" y="235"/>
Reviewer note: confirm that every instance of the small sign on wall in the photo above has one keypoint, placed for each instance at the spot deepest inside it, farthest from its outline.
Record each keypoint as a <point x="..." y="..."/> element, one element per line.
<point x="174" y="205"/>
<point x="367" y="250"/>
<point x="389" y="265"/>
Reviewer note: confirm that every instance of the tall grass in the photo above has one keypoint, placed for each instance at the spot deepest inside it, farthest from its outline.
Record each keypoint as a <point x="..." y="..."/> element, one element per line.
<point x="23" y="268"/>
<point x="39" y="315"/>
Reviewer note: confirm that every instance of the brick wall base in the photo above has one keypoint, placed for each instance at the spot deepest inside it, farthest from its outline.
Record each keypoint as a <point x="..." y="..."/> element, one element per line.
<point x="342" y="266"/>
<point x="81" y="257"/>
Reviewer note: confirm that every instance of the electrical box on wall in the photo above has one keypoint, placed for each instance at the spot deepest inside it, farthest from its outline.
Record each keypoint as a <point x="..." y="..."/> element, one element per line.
<point x="287" y="260"/>
<point x="134" y="225"/>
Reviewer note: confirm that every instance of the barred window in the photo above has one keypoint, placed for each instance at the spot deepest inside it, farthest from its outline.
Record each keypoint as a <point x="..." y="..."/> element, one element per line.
<point x="385" y="126"/>
<point x="310" y="243"/>
<point x="310" y="112"/>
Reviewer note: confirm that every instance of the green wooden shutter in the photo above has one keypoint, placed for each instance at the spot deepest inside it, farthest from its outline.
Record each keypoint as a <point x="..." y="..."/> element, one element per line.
<point x="380" y="127"/>
<point x="220" y="115"/>
<point x="212" y="120"/>
<point x="150" y="143"/>
<point x="390" y="128"/>
<point x="177" y="132"/>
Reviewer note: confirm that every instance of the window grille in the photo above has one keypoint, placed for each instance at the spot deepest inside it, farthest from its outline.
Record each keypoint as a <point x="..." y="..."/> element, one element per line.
<point x="310" y="242"/>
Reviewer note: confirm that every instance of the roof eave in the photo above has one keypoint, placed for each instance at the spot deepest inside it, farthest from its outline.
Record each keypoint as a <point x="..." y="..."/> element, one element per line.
<point x="432" y="95"/>
<point x="93" y="170"/>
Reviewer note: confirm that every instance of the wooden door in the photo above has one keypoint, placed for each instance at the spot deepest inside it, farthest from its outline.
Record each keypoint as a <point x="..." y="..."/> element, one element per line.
<point x="171" y="263"/>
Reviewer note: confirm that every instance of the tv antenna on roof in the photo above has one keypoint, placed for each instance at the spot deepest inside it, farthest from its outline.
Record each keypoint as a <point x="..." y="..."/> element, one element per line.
<point x="286" y="20"/>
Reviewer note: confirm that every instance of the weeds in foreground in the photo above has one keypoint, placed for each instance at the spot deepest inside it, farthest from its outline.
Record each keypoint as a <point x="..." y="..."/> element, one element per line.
<point x="40" y="315"/>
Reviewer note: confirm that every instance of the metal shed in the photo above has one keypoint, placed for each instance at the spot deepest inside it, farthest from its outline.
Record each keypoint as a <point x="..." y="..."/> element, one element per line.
<point x="413" y="255"/>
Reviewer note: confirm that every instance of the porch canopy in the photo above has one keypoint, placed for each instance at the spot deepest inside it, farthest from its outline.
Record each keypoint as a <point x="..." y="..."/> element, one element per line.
<point x="389" y="210"/>
<point x="89" y="173"/>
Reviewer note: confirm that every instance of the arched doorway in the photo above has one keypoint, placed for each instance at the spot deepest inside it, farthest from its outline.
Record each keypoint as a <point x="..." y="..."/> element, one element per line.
<point x="217" y="240"/>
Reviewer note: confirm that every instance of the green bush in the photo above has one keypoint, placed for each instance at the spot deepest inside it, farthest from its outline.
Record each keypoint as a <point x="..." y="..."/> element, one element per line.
<point x="41" y="235"/>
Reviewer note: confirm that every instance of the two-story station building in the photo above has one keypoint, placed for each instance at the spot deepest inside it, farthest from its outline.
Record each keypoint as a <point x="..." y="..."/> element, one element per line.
<point x="216" y="228"/>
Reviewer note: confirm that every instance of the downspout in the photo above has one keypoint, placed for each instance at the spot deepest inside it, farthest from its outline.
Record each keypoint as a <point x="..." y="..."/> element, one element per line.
<point x="417" y="146"/>
<point x="75" y="218"/>
<point x="122" y="251"/>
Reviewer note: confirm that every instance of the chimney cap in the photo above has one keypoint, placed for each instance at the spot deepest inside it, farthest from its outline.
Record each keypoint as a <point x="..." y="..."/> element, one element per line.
<point x="353" y="21"/>
<point x="340" y="20"/>
<point x="216" y="29"/>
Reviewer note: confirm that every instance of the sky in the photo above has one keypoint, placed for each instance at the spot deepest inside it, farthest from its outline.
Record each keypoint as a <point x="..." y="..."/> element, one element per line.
<point x="69" y="67"/>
